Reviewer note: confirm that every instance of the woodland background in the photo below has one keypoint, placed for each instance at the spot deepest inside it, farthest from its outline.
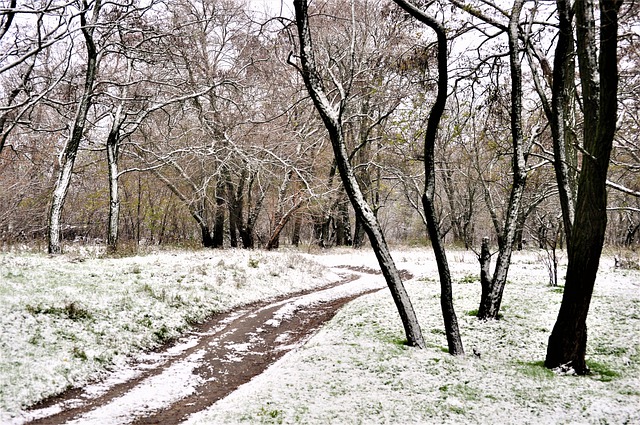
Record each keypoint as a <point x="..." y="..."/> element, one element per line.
<point x="195" y="127"/>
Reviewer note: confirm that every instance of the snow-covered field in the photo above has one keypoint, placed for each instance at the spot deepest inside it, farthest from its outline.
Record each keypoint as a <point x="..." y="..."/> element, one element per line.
<point x="66" y="320"/>
<point x="356" y="369"/>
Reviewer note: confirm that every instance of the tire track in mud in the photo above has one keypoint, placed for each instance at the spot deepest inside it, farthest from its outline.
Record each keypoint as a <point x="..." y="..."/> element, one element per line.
<point x="209" y="362"/>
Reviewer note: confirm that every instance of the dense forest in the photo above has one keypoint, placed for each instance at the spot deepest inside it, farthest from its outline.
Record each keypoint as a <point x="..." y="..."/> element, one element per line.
<point x="188" y="122"/>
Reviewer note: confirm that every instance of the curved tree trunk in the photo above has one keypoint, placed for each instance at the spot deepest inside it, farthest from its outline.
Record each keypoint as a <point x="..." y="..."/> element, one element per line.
<point x="273" y="242"/>
<point x="452" y="331"/>
<point x="331" y="117"/>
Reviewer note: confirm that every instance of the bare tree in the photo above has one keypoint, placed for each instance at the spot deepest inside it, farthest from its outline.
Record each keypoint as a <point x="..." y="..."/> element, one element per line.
<point x="493" y="289"/>
<point x="40" y="25"/>
<point x="560" y="111"/>
<point x="88" y="14"/>
<point x="446" y="292"/>
<point x="599" y="83"/>
<point x="331" y="115"/>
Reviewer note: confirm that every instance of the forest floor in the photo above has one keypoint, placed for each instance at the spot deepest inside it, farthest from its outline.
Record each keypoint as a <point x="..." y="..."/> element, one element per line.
<point x="77" y="332"/>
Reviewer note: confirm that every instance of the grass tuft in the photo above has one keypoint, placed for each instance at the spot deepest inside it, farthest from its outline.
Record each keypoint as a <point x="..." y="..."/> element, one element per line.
<point x="70" y="311"/>
<point x="469" y="278"/>
<point x="535" y="369"/>
<point x="602" y="372"/>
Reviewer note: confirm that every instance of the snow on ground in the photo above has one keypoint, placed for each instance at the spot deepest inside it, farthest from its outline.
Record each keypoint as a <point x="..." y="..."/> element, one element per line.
<point x="357" y="370"/>
<point x="173" y="384"/>
<point x="67" y="320"/>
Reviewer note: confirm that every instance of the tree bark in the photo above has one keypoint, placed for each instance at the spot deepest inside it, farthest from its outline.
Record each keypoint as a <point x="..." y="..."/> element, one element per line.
<point x="331" y="116"/>
<point x="568" y="340"/>
<point x="452" y="331"/>
<point x="113" y="156"/>
<point x="273" y="242"/>
<point x="297" y="225"/>
<point x="114" y="201"/>
<point x="560" y="114"/>
<point x="343" y="224"/>
<point x="70" y="152"/>
<point x="485" y="268"/>
<point x="235" y="205"/>
<point x="358" y="234"/>
<point x="490" y="305"/>
<point x="218" y="225"/>
<point x="247" y="229"/>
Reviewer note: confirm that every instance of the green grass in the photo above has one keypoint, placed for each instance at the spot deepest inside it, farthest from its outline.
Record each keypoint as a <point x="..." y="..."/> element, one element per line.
<point x="469" y="278"/>
<point x="70" y="311"/>
<point x="602" y="372"/>
<point x="535" y="369"/>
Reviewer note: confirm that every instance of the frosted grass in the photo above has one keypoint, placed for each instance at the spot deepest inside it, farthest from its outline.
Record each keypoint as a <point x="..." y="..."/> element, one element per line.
<point x="356" y="370"/>
<point x="67" y="320"/>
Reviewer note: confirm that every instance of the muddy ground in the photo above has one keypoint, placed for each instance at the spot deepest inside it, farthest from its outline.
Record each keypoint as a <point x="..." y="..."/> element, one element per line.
<point x="212" y="360"/>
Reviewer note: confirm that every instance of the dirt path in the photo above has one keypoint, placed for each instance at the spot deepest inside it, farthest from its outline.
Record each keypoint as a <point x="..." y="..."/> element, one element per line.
<point x="208" y="363"/>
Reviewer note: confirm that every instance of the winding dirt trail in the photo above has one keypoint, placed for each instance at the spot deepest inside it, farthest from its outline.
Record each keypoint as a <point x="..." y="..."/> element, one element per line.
<point x="208" y="363"/>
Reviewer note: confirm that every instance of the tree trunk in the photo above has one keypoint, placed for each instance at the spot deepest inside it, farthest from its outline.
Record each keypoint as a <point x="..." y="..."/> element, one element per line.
<point x="218" y="225"/>
<point x="343" y="224"/>
<point x="235" y="206"/>
<point x="297" y="225"/>
<point x="485" y="268"/>
<point x="138" y="210"/>
<point x="568" y="340"/>
<point x="323" y="229"/>
<point x="114" y="201"/>
<point x="247" y="230"/>
<point x="274" y="239"/>
<point x="331" y="117"/>
<point x="563" y="94"/>
<point x="70" y="152"/>
<point x="273" y="242"/>
<point x="207" y="239"/>
<point x="490" y="305"/>
<point x="456" y="217"/>
<point x="452" y="331"/>
<point x="358" y="234"/>
<point x="113" y="152"/>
